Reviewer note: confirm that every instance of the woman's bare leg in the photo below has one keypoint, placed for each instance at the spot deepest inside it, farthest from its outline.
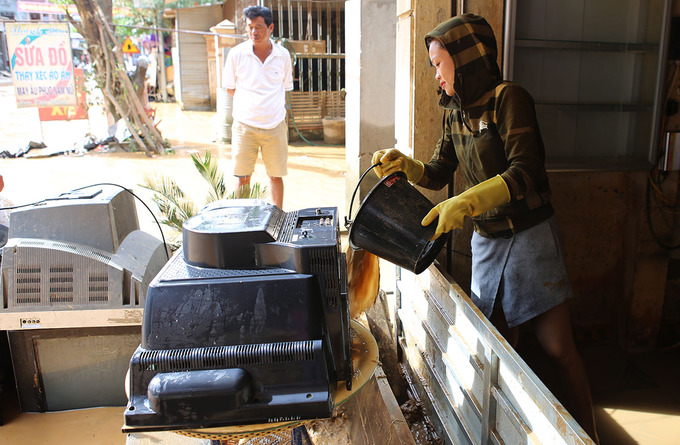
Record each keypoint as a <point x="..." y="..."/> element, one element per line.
<point x="553" y="330"/>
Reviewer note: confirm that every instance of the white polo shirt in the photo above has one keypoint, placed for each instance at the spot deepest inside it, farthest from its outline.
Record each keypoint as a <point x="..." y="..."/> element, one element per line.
<point x="260" y="96"/>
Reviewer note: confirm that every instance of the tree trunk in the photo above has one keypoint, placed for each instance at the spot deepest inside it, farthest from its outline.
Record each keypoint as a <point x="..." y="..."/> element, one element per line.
<point x="120" y="95"/>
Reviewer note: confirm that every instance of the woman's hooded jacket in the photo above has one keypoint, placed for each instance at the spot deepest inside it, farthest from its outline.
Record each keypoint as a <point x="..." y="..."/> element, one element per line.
<point x="489" y="126"/>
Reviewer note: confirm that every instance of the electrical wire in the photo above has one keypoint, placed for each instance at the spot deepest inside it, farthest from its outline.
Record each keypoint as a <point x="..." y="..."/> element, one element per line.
<point x="467" y="255"/>
<point x="62" y="197"/>
<point x="24" y="205"/>
<point x="292" y="116"/>
<point x="654" y="184"/>
<point x="140" y="200"/>
<point x="657" y="177"/>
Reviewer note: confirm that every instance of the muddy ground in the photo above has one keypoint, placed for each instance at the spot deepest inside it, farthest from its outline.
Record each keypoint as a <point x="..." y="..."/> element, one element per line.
<point x="316" y="173"/>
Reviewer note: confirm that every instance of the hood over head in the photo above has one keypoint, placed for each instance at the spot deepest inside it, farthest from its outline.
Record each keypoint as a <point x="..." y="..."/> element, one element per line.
<point x="472" y="45"/>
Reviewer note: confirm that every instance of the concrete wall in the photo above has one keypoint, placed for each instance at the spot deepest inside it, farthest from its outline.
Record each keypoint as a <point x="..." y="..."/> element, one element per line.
<point x="418" y="117"/>
<point x="370" y="85"/>
<point x="618" y="271"/>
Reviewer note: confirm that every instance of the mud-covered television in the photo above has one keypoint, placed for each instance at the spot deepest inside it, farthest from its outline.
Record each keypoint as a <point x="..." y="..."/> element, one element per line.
<point x="74" y="275"/>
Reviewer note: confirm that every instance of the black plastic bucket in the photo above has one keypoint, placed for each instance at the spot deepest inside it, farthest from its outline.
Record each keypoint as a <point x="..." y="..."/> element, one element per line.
<point x="388" y="224"/>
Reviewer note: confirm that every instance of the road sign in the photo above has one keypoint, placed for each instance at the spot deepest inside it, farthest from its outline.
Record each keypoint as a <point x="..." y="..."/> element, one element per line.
<point x="129" y="47"/>
<point x="70" y="112"/>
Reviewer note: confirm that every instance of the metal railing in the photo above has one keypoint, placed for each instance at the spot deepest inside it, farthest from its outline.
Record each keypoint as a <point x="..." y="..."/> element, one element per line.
<point x="314" y="33"/>
<point x="476" y="388"/>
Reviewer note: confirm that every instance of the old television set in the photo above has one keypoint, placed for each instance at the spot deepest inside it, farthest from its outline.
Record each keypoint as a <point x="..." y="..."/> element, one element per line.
<point x="248" y="323"/>
<point x="74" y="275"/>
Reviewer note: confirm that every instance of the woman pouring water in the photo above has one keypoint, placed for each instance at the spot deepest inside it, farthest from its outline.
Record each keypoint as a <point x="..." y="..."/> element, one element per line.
<point x="491" y="133"/>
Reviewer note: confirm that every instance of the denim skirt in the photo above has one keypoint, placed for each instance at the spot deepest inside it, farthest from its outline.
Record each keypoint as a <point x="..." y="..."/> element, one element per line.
<point x="525" y="274"/>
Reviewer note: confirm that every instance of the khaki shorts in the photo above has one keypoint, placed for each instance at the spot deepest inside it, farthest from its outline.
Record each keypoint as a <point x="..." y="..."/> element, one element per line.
<point x="246" y="141"/>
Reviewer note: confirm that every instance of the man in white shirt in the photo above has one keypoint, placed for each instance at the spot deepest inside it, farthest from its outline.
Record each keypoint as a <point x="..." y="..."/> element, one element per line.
<point x="258" y="73"/>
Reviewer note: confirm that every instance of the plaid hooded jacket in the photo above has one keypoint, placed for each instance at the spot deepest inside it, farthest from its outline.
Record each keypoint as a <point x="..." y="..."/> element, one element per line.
<point x="489" y="126"/>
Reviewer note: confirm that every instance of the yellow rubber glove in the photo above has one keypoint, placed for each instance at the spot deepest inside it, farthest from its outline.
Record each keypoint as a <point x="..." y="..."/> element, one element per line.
<point x="392" y="160"/>
<point x="474" y="201"/>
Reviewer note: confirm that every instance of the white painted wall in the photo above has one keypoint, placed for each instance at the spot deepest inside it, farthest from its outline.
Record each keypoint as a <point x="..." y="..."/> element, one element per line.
<point x="370" y="33"/>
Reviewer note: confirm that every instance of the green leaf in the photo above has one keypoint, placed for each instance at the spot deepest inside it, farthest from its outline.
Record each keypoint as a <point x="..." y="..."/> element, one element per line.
<point x="175" y="206"/>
